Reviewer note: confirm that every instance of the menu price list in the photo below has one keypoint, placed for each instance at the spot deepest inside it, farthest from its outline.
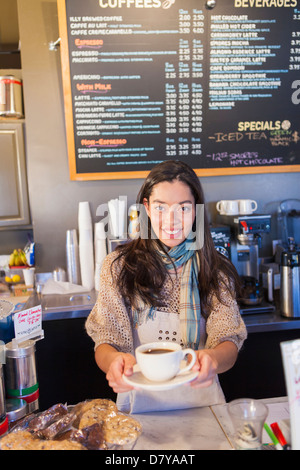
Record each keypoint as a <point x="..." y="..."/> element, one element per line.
<point x="146" y="104"/>
<point x="253" y="59"/>
<point x="154" y="80"/>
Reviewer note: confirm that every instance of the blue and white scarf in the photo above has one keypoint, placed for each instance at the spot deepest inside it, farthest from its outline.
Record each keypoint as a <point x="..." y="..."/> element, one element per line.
<point x="190" y="308"/>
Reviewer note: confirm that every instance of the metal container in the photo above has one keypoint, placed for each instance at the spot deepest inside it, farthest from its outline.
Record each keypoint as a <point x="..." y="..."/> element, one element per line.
<point x="59" y="274"/>
<point x="290" y="284"/>
<point x="20" y="370"/>
<point x="11" y="102"/>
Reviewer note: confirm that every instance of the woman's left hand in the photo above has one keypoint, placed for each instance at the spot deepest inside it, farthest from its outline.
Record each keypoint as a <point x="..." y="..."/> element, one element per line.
<point x="207" y="365"/>
<point x="211" y="362"/>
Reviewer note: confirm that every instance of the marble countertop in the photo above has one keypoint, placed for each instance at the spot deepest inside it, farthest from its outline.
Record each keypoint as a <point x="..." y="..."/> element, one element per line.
<point x="194" y="428"/>
<point x="278" y="409"/>
<point x="206" y="428"/>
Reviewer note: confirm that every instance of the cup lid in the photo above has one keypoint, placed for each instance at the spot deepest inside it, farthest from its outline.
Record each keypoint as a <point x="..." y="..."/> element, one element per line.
<point x="23" y="349"/>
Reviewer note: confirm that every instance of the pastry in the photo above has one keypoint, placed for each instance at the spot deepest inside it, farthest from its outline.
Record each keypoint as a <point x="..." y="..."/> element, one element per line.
<point x="47" y="417"/>
<point x="90" y="437"/>
<point x="59" y="426"/>
<point x="121" y="430"/>
<point x="19" y="440"/>
<point x="94" y="411"/>
<point x="59" y="445"/>
<point x="97" y="403"/>
<point x="92" y="424"/>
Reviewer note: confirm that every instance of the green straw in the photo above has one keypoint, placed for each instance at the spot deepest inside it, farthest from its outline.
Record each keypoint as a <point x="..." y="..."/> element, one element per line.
<point x="272" y="437"/>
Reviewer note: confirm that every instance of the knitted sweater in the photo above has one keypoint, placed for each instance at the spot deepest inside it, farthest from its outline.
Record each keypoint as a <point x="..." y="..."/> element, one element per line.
<point x="110" y="321"/>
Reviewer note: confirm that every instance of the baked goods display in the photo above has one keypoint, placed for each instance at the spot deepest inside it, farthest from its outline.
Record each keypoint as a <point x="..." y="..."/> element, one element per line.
<point x="89" y="425"/>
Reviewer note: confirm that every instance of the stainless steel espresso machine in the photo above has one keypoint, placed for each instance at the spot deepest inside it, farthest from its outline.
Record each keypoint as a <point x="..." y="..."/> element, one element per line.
<point x="247" y="234"/>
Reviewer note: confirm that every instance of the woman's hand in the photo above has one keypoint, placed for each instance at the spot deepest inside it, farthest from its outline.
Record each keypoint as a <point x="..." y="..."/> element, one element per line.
<point x="115" y="363"/>
<point x="122" y="364"/>
<point x="207" y="367"/>
<point x="211" y="362"/>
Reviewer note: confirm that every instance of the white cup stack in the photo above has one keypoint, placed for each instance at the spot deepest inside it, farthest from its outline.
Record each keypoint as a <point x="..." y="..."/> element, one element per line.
<point x="100" y="250"/>
<point x="117" y="216"/>
<point x="86" y="246"/>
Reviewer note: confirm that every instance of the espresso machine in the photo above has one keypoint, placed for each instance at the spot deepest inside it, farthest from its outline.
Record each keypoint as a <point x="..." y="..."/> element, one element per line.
<point x="247" y="234"/>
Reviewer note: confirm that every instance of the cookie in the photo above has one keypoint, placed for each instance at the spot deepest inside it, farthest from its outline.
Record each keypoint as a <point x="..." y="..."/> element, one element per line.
<point x="94" y="411"/>
<point x="19" y="440"/>
<point x="121" y="430"/>
<point x="59" y="445"/>
<point x="97" y="403"/>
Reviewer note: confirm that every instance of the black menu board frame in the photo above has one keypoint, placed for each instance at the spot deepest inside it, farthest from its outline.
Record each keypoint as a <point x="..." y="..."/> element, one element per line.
<point x="215" y="84"/>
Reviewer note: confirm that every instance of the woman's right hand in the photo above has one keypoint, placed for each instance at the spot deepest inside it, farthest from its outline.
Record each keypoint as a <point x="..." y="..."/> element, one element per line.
<point x="122" y="364"/>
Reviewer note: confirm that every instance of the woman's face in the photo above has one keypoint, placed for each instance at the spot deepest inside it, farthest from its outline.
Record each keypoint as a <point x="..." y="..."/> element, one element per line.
<point x="171" y="209"/>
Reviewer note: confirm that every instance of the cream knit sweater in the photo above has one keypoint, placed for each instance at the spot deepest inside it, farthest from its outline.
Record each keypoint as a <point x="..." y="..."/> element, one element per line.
<point x="110" y="321"/>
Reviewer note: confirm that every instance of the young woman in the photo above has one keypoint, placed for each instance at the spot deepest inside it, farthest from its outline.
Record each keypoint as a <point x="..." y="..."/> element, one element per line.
<point x="169" y="284"/>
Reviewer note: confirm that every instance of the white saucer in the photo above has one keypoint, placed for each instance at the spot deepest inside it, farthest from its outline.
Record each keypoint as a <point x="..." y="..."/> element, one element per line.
<point x="137" y="380"/>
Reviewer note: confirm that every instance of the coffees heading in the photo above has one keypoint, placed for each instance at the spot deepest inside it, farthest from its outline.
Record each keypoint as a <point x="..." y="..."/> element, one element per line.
<point x="159" y="4"/>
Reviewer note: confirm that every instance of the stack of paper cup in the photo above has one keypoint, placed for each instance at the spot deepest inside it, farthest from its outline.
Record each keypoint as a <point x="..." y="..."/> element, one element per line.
<point x="100" y="250"/>
<point x="86" y="247"/>
<point x="72" y="254"/>
<point x="117" y="216"/>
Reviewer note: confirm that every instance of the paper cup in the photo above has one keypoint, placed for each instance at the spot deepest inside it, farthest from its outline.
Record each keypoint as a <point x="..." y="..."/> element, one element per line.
<point x="29" y="276"/>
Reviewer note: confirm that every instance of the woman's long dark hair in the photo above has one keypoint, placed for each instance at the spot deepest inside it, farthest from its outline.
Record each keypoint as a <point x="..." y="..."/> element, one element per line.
<point x="143" y="272"/>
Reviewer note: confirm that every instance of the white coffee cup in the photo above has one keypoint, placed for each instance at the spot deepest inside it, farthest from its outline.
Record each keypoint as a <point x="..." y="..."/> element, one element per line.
<point x="228" y="207"/>
<point x="160" y="361"/>
<point x="247" y="206"/>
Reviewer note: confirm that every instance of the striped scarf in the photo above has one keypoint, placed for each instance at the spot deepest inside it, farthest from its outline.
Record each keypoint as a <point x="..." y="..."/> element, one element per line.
<point x="190" y="308"/>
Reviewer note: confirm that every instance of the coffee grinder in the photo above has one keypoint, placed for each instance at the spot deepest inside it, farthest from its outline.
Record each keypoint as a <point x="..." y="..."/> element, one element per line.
<point x="247" y="231"/>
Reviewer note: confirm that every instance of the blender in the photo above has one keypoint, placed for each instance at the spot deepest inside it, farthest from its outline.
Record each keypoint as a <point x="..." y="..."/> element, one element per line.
<point x="288" y="222"/>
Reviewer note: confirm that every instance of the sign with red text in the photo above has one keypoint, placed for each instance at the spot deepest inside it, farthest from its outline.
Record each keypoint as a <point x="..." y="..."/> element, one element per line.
<point x="28" y="323"/>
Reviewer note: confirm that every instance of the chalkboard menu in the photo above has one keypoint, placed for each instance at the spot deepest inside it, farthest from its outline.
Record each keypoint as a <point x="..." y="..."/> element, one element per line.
<point x="215" y="84"/>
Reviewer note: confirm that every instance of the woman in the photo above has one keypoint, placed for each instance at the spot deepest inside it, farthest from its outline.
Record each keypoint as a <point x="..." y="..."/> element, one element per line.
<point x="168" y="284"/>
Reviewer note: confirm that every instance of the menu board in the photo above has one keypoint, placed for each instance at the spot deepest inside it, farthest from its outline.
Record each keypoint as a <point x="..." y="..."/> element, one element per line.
<point x="214" y="84"/>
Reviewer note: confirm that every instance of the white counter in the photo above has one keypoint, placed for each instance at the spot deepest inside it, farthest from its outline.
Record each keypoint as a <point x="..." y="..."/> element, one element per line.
<point x="206" y="428"/>
<point x="194" y="428"/>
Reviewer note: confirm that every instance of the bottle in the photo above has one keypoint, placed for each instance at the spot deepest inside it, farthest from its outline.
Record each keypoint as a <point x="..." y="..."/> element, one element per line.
<point x="290" y="281"/>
